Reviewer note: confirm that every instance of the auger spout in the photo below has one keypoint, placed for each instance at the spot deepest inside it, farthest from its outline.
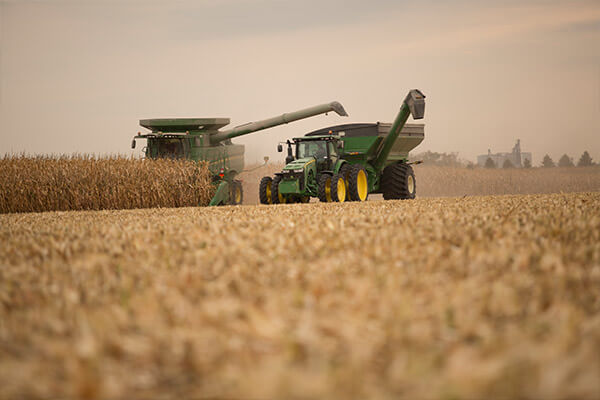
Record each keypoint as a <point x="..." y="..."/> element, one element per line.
<point x="275" y="121"/>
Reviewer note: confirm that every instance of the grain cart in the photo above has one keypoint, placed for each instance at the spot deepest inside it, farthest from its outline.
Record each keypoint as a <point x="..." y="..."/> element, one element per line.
<point x="347" y="162"/>
<point x="201" y="139"/>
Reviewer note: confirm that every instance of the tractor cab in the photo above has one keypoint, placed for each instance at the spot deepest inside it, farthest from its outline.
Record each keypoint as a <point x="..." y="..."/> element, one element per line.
<point x="324" y="149"/>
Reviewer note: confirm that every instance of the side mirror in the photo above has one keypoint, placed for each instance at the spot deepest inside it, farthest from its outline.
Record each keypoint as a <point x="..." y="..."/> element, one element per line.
<point x="279" y="148"/>
<point x="133" y="144"/>
<point x="340" y="145"/>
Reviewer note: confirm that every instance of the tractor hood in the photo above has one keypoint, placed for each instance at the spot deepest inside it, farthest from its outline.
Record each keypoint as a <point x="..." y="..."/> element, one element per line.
<point x="299" y="163"/>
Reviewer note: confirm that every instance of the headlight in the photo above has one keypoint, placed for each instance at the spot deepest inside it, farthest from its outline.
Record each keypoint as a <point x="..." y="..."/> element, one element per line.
<point x="298" y="170"/>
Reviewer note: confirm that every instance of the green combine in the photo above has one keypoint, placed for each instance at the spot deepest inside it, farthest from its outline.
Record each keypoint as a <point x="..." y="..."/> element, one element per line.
<point x="347" y="162"/>
<point x="201" y="139"/>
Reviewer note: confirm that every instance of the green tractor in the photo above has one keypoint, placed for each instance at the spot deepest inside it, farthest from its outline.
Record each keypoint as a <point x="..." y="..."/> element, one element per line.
<point x="348" y="162"/>
<point x="201" y="139"/>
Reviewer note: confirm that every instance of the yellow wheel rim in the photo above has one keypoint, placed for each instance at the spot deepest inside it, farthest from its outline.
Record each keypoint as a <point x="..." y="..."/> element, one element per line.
<point x="281" y="198"/>
<point x="238" y="195"/>
<point x="269" y="193"/>
<point x="361" y="185"/>
<point x="341" y="190"/>
<point x="328" y="189"/>
<point x="411" y="184"/>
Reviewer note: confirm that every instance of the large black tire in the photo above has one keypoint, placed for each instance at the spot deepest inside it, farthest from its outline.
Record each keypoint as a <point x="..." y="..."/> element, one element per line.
<point x="264" y="190"/>
<point x="236" y="193"/>
<point x="324" y="181"/>
<point x="332" y="188"/>
<point x="398" y="182"/>
<point x="357" y="183"/>
<point x="276" y="198"/>
<point x="345" y="172"/>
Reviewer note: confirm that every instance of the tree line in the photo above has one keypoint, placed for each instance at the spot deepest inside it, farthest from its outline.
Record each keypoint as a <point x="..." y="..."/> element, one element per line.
<point x="452" y="160"/>
<point x="565" y="161"/>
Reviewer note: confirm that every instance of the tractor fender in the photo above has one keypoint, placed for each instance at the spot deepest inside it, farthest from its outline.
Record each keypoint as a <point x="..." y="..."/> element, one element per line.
<point x="338" y="165"/>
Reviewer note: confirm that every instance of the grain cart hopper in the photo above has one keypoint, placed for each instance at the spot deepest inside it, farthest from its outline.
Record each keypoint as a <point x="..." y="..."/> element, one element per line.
<point x="201" y="139"/>
<point x="347" y="162"/>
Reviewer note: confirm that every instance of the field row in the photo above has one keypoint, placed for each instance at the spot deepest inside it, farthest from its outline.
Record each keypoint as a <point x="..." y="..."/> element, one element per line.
<point x="481" y="297"/>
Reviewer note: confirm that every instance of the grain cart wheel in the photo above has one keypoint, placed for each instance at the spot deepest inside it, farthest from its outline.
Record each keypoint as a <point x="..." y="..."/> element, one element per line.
<point x="236" y="196"/>
<point x="276" y="197"/>
<point x="358" y="184"/>
<point x="345" y="171"/>
<point x="332" y="188"/>
<point x="264" y="190"/>
<point x="398" y="182"/>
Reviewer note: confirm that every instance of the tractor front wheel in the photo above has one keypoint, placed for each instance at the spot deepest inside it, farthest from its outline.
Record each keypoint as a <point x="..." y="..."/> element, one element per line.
<point x="276" y="197"/>
<point x="264" y="190"/>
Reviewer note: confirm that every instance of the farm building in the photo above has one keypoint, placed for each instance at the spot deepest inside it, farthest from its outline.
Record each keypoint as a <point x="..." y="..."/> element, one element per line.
<point x="516" y="157"/>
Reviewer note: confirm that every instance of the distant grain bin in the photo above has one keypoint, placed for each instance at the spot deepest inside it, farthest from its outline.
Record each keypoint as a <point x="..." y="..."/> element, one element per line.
<point x="516" y="157"/>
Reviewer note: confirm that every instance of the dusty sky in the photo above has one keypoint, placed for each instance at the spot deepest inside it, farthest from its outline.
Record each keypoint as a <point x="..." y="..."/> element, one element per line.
<point x="76" y="76"/>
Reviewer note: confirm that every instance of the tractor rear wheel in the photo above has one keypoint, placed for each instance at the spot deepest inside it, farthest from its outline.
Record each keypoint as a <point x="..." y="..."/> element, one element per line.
<point x="236" y="196"/>
<point x="332" y="188"/>
<point x="358" y="184"/>
<point x="264" y="190"/>
<point x="398" y="182"/>
<point x="276" y="197"/>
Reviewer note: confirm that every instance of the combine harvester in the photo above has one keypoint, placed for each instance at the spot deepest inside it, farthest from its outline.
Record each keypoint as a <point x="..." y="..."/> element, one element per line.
<point x="347" y="162"/>
<point x="200" y="139"/>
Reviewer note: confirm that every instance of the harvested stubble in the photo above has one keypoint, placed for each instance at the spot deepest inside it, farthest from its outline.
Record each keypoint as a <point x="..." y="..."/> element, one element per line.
<point x="483" y="297"/>
<point x="434" y="181"/>
<point x="31" y="184"/>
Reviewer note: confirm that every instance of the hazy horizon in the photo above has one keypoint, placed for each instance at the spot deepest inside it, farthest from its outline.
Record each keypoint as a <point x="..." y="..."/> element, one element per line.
<point x="77" y="76"/>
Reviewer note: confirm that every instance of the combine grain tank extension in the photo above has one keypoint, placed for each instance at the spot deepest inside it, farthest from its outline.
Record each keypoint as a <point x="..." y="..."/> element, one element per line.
<point x="201" y="139"/>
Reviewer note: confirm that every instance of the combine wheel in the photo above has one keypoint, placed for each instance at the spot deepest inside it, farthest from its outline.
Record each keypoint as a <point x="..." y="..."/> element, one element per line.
<point x="236" y="196"/>
<point x="264" y="190"/>
<point x="398" y="182"/>
<point x="358" y="184"/>
<point x="332" y="188"/>
<point x="276" y="197"/>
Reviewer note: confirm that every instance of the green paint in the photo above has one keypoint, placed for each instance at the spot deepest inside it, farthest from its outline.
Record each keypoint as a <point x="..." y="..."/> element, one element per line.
<point x="326" y="154"/>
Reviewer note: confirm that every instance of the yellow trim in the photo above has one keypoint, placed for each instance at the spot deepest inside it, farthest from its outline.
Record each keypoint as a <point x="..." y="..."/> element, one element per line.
<point x="328" y="190"/>
<point x="282" y="199"/>
<point x="411" y="184"/>
<point x="362" y="186"/>
<point x="269" y="194"/>
<point x="238" y="195"/>
<point x="341" y="190"/>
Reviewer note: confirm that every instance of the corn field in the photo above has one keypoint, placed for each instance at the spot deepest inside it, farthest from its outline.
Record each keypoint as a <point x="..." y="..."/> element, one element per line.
<point x="29" y="184"/>
<point x="435" y="298"/>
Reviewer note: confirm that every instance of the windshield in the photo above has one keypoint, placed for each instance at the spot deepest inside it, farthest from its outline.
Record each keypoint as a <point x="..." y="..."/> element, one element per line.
<point x="311" y="148"/>
<point x="165" y="148"/>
